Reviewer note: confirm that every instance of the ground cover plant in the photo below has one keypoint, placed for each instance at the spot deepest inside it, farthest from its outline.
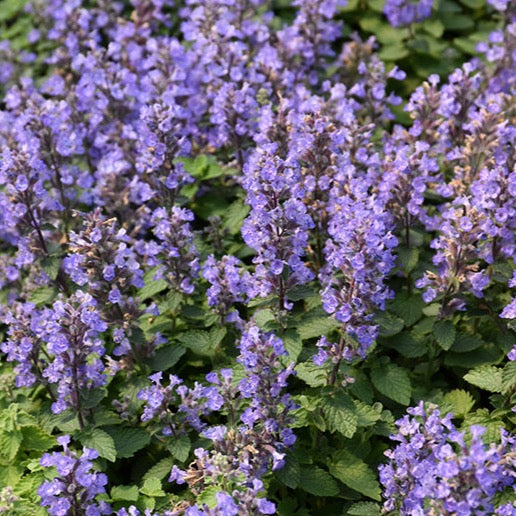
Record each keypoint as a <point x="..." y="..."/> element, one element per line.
<point x="257" y="257"/>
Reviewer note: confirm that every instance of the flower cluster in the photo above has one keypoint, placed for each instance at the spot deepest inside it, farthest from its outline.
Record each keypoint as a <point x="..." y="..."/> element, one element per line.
<point x="403" y="12"/>
<point x="60" y="346"/>
<point x="76" y="486"/>
<point x="436" y="469"/>
<point x="313" y="193"/>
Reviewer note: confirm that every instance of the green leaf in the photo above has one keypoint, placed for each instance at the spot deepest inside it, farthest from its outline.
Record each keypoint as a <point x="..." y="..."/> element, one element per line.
<point x="166" y="357"/>
<point x="434" y="27"/>
<point x="458" y="22"/>
<point x="459" y="402"/>
<point x="10" y="443"/>
<point x="367" y="415"/>
<point x="152" y="288"/>
<point x="486" y="377"/>
<point x="209" y="497"/>
<point x="473" y="4"/>
<point x="152" y="487"/>
<point x="392" y="381"/>
<point x="465" y="342"/>
<point x="264" y="317"/>
<point x="43" y="295"/>
<point x="356" y="474"/>
<point x="393" y="52"/>
<point x="389" y="324"/>
<point x="315" y="326"/>
<point x="100" y="441"/>
<point x="370" y="22"/>
<point x="290" y="473"/>
<point x="128" y="441"/>
<point x="313" y="375"/>
<point x="408" y="257"/>
<point x="293" y="345"/>
<point x="466" y="45"/>
<point x="34" y="438"/>
<point x="124" y="493"/>
<point x="483" y="417"/>
<point x="9" y="8"/>
<point x="92" y="397"/>
<point x="432" y="309"/>
<point x="407" y="345"/>
<point x="198" y="341"/>
<point x="196" y="166"/>
<point x="386" y="34"/>
<point x="376" y="5"/>
<point x="339" y="412"/>
<point x="444" y="333"/>
<point x="509" y="377"/>
<point x="235" y="215"/>
<point x="160" y="470"/>
<point x="301" y="292"/>
<point x="180" y="448"/>
<point x="487" y="354"/>
<point x="318" y="482"/>
<point x="50" y="265"/>
<point x="364" y="509"/>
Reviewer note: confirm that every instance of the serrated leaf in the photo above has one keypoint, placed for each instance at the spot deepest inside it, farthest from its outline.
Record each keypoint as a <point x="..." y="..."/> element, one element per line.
<point x="485" y="355"/>
<point x="367" y="415"/>
<point x="356" y="474"/>
<point x="465" y="343"/>
<point x="293" y="345"/>
<point x="407" y="345"/>
<point x="444" y="333"/>
<point x="152" y="288"/>
<point x="180" y="448"/>
<point x="339" y="412"/>
<point x="101" y="441"/>
<point x="364" y="509"/>
<point x="318" y="482"/>
<point x="290" y="473"/>
<point x="152" y="487"/>
<point x="408" y="258"/>
<point x="389" y="324"/>
<point x="10" y="444"/>
<point x="160" y="470"/>
<point x="392" y="381"/>
<point x="198" y="341"/>
<point x="124" y="493"/>
<point x="235" y="215"/>
<point x="311" y="326"/>
<point x="483" y="417"/>
<point x="43" y="295"/>
<point x="166" y="357"/>
<point x="409" y="308"/>
<point x="28" y="485"/>
<point x="509" y="377"/>
<point x="128" y="441"/>
<point x="92" y="397"/>
<point x="301" y="292"/>
<point x="459" y="402"/>
<point x="51" y="265"/>
<point x="34" y="438"/>
<point x="209" y="497"/>
<point x="486" y="377"/>
<point x="263" y="317"/>
<point x="313" y="375"/>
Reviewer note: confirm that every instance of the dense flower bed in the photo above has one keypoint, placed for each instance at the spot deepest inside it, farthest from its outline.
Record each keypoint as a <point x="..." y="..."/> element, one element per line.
<point x="248" y="266"/>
